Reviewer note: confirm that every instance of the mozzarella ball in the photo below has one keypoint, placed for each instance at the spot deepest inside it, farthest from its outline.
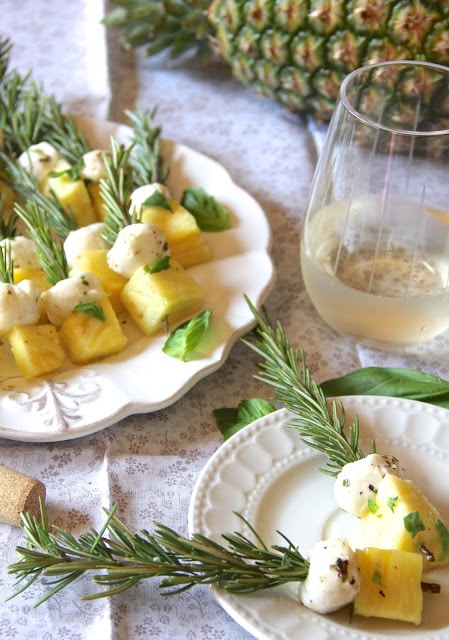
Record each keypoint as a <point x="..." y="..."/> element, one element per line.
<point x="61" y="299"/>
<point x="39" y="159"/>
<point x="19" y="304"/>
<point x="93" y="166"/>
<point x="88" y="238"/>
<point x="333" y="580"/>
<point x="137" y="245"/>
<point x="358" y="481"/>
<point x="141" y="195"/>
<point x="23" y="252"/>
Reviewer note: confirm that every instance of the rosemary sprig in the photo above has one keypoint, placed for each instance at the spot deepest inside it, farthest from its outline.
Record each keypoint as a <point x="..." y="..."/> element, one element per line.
<point x="49" y="250"/>
<point x="23" y="183"/>
<point x="147" y="159"/>
<point x="5" y="47"/>
<point x="285" y="370"/>
<point x="119" y="560"/>
<point x="6" y="264"/>
<point x="61" y="131"/>
<point x="116" y="190"/>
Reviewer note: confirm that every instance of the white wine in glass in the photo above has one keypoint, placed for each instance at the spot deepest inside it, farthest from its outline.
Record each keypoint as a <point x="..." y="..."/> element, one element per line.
<point x="375" y="241"/>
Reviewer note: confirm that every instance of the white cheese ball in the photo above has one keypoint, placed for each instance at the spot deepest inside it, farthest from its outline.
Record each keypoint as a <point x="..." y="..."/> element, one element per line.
<point x="88" y="238"/>
<point x="141" y="195"/>
<point x="39" y="159"/>
<point x="358" y="481"/>
<point x="23" y="252"/>
<point x="19" y="304"/>
<point x="136" y="245"/>
<point x="61" y="299"/>
<point x="333" y="580"/>
<point x="93" y="166"/>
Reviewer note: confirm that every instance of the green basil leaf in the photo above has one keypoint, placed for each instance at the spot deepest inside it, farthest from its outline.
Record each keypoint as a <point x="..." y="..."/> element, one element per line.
<point x="209" y="214"/>
<point x="160" y="265"/>
<point x="413" y="523"/>
<point x="91" y="309"/>
<point x="157" y="199"/>
<point x="183" y="341"/>
<point x="390" y="381"/>
<point x="444" y="538"/>
<point x="231" y="420"/>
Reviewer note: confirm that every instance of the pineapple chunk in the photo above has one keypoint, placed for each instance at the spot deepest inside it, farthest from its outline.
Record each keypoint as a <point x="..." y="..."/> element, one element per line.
<point x="72" y="194"/>
<point x="96" y="262"/>
<point x="88" y="339"/>
<point x="403" y="518"/>
<point x="36" y="349"/>
<point x="390" y="585"/>
<point x="184" y="237"/>
<point x="97" y="200"/>
<point x="160" y="300"/>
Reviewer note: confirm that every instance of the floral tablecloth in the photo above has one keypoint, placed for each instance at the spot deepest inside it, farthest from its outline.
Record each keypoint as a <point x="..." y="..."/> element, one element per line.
<point x="148" y="463"/>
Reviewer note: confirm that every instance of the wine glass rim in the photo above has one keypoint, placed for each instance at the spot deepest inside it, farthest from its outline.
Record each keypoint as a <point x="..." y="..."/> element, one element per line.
<point x="377" y="125"/>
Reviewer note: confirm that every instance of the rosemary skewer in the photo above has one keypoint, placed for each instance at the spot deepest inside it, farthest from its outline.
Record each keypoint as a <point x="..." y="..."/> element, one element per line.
<point x="284" y="369"/>
<point x="147" y="159"/>
<point x="124" y="558"/>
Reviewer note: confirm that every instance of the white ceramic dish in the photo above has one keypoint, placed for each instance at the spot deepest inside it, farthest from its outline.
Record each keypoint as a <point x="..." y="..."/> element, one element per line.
<point x="267" y="474"/>
<point x="77" y="401"/>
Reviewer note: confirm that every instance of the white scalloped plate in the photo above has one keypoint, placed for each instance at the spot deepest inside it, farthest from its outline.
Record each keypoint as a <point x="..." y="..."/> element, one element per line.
<point x="76" y="401"/>
<point x="267" y="474"/>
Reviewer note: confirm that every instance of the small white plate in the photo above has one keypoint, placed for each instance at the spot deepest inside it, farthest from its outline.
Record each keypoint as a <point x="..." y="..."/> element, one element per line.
<point x="267" y="474"/>
<point x="76" y="401"/>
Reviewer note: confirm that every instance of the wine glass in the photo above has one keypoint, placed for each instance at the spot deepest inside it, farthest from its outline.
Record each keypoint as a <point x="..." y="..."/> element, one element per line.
<point x="375" y="240"/>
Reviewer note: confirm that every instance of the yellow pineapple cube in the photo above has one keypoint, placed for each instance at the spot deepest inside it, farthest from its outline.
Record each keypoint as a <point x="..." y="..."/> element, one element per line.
<point x="38" y="276"/>
<point x="36" y="349"/>
<point x="401" y="517"/>
<point x="72" y="194"/>
<point x="97" y="200"/>
<point x="184" y="238"/>
<point x="89" y="339"/>
<point x="159" y="301"/>
<point x="390" y="585"/>
<point x="95" y="261"/>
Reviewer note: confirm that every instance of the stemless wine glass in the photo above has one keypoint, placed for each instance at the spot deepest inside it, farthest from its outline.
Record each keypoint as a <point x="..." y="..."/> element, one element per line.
<point x="375" y="240"/>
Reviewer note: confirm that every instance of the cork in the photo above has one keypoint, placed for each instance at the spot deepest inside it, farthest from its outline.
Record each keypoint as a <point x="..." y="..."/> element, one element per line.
<point x="18" y="493"/>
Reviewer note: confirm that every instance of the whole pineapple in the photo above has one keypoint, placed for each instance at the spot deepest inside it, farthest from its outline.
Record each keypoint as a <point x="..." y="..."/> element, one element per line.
<point x="294" y="51"/>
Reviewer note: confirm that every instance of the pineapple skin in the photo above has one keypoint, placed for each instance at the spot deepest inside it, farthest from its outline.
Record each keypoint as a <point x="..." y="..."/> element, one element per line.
<point x="384" y="526"/>
<point x="294" y="51"/>
<point x="37" y="349"/>
<point x="390" y="585"/>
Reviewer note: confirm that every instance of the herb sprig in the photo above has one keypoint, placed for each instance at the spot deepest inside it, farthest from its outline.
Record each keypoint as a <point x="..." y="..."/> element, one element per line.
<point x="49" y="250"/>
<point x="147" y="159"/>
<point x="117" y="559"/>
<point x="284" y="369"/>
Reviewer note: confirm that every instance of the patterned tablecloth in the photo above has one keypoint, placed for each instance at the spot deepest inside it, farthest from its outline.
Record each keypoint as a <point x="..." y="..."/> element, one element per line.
<point x="148" y="463"/>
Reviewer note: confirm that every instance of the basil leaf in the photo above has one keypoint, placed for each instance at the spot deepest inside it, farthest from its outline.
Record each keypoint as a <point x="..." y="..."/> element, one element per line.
<point x="209" y="214"/>
<point x="157" y="199"/>
<point x="413" y="523"/>
<point x="444" y="539"/>
<point x="159" y="265"/>
<point x="231" y="420"/>
<point x="390" y="381"/>
<point x="185" y="339"/>
<point x="91" y="309"/>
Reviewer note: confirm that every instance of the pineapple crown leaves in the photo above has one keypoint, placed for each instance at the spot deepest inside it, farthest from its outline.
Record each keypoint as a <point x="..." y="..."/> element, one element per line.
<point x="177" y="25"/>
